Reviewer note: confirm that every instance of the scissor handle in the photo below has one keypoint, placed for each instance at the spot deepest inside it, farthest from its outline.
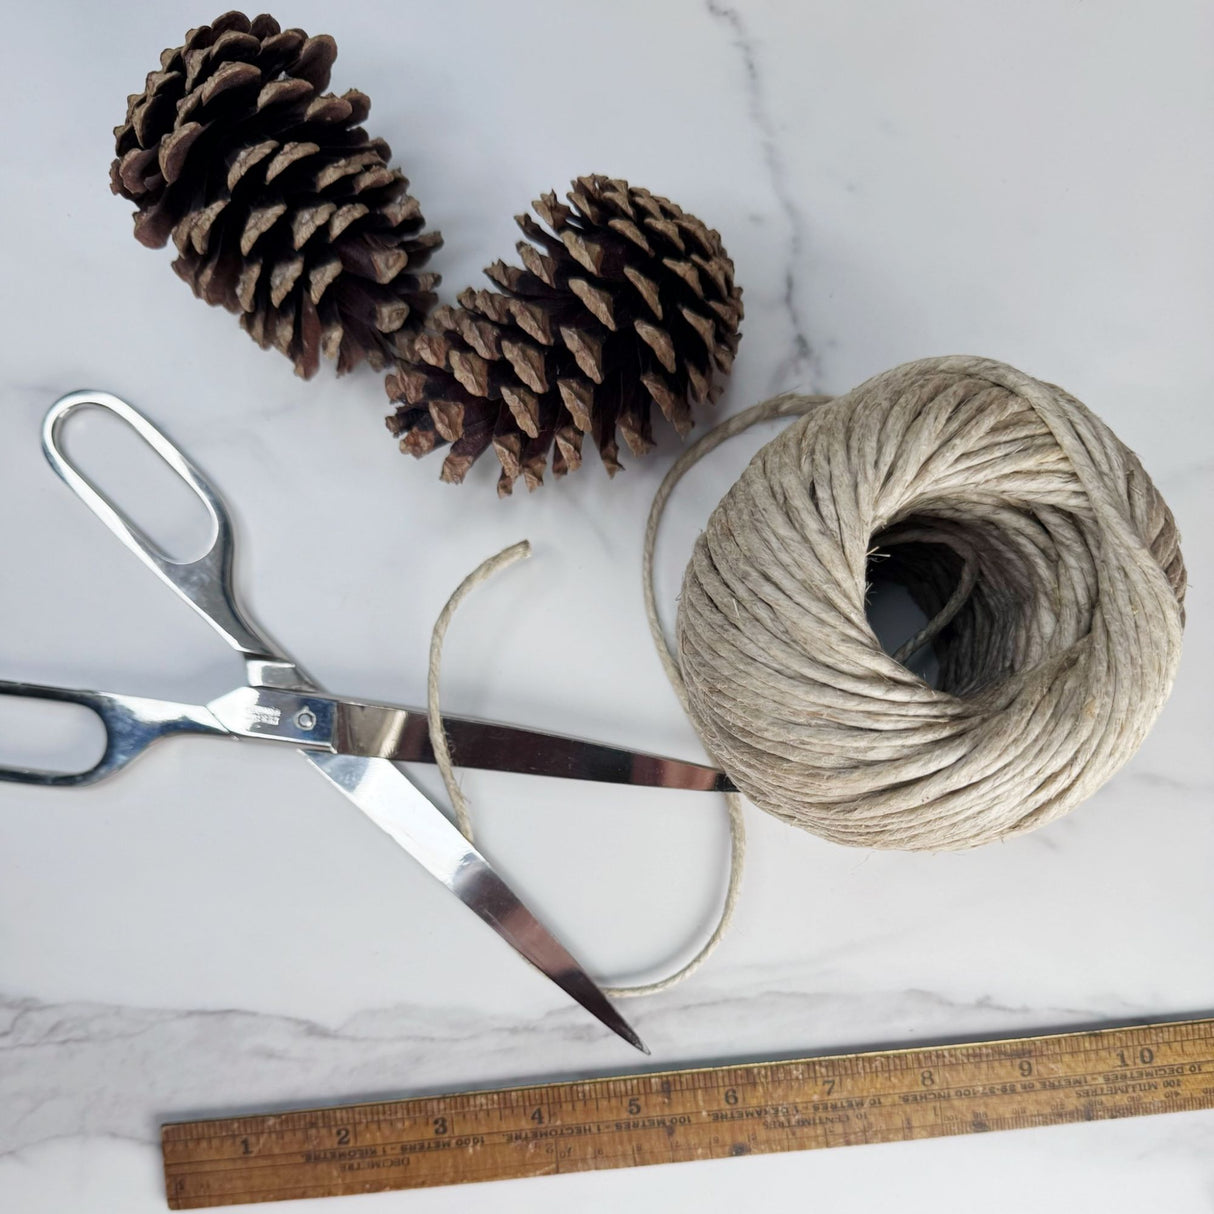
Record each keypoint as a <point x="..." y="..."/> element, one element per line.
<point x="206" y="583"/>
<point x="131" y="726"/>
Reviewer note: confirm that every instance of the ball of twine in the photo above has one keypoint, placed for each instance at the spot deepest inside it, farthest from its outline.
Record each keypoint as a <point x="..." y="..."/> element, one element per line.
<point x="1048" y="566"/>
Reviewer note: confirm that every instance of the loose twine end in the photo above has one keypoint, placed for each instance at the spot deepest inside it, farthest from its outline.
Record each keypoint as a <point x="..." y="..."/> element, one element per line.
<point x="781" y="406"/>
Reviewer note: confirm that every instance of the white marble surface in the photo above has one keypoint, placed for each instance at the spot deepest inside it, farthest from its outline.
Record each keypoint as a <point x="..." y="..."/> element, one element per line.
<point x="216" y="930"/>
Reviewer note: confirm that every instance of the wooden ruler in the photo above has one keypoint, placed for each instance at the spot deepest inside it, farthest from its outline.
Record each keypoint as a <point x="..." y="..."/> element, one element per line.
<point x="884" y="1096"/>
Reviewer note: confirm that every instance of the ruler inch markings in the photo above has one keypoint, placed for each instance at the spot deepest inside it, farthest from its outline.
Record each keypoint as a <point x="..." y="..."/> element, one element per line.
<point x="710" y="1112"/>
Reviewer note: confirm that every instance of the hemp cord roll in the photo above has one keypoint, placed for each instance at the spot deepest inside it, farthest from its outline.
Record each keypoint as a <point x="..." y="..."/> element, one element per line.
<point x="1046" y="562"/>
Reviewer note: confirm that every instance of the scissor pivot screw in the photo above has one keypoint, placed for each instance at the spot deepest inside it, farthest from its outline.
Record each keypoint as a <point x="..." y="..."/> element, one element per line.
<point x="305" y="718"/>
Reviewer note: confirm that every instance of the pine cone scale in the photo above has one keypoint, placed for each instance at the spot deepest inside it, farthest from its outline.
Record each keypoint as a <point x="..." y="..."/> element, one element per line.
<point x="648" y="290"/>
<point x="599" y="303"/>
<point x="307" y="221"/>
<point x="288" y="155"/>
<point x="578" y="398"/>
<point x="527" y="362"/>
<point x="525" y="408"/>
<point x="321" y="276"/>
<point x="629" y="230"/>
<point x="586" y="350"/>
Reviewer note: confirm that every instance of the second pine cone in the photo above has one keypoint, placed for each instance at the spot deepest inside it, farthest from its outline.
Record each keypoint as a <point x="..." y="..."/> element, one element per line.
<point x="627" y="303"/>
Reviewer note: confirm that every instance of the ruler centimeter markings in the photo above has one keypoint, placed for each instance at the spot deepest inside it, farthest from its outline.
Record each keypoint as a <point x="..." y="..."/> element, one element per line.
<point x="708" y="1113"/>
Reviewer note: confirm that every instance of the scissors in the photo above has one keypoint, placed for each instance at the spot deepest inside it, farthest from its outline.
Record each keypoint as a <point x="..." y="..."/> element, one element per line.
<point x="354" y="744"/>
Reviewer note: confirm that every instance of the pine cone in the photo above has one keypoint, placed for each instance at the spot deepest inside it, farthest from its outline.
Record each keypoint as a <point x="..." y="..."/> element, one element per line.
<point x="281" y="207"/>
<point x="631" y="303"/>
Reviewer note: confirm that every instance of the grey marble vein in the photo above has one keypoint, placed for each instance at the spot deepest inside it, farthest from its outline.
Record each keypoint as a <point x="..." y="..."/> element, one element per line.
<point x="83" y="1069"/>
<point x="1172" y="782"/>
<point x="800" y="365"/>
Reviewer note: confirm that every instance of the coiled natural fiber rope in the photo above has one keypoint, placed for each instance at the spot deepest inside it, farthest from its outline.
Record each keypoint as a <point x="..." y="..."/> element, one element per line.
<point x="1046" y="561"/>
<point x="1048" y="566"/>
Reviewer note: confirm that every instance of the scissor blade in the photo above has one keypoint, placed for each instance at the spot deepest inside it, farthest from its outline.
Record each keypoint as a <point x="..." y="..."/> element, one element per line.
<point x="405" y="813"/>
<point x="402" y="734"/>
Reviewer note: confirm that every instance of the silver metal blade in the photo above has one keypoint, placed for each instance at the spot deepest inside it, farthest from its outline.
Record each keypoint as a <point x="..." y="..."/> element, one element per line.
<point x="307" y="717"/>
<point x="404" y="812"/>
<point x="402" y="734"/>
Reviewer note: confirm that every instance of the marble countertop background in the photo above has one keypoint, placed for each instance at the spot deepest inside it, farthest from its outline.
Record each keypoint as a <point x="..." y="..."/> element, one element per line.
<point x="217" y="931"/>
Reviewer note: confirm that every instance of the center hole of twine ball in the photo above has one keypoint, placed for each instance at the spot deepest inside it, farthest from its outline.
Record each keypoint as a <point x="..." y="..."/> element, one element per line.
<point x="895" y="617"/>
<point x="908" y="584"/>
